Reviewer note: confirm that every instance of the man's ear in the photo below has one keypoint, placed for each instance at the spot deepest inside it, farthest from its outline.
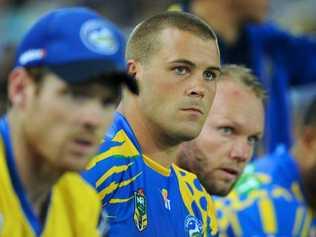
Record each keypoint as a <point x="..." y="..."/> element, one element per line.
<point x="18" y="83"/>
<point x="133" y="68"/>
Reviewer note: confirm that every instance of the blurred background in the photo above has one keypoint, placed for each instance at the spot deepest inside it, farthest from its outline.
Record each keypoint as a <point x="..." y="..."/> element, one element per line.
<point x="296" y="16"/>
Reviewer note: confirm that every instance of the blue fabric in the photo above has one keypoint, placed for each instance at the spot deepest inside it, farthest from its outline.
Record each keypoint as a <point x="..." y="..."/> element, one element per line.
<point x="174" y="202"/>
<point x="76" y="43"/>
<point x="16" y="181"/>
<point x="268" y="200"/>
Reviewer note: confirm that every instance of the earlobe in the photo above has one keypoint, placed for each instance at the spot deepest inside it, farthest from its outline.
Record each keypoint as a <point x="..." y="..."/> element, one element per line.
<point x="18" y="80"/>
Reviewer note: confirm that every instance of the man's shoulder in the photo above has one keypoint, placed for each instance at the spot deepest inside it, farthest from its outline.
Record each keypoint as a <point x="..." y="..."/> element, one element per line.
<point x="119" y="144"/>
<point x="117" y="150"/>
<point x="116" y="159"/>
<point x="76" y="190"/>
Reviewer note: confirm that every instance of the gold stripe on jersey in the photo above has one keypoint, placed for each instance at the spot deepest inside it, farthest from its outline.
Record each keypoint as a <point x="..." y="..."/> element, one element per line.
<point x="267" y="214"/>
<point x="298" y="221"/>
<point x="120" y="200"/>
<point x="297" y="191"/>
<point x="114" y="170"/>
<point x="113" y="186"/>
<point x="279" y="192"/>
<point x="307" y="223"/>
<point x="125" y="149"/>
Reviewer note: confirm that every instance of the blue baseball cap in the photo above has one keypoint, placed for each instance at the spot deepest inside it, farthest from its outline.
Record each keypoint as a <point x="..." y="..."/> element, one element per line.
<point x="77" y="44"/>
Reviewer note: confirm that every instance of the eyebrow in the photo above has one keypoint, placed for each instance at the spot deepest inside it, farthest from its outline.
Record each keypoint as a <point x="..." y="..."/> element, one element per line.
<point x="188" y="62"/>
<point x="258" y="134"/>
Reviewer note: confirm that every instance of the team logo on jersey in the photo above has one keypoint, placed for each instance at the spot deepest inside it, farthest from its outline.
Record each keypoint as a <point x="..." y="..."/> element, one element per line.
<point x="140" y="211"/>
<point x="164" y="194"/>
<point x="96" y="36"/>
<point x="193" y="226"/>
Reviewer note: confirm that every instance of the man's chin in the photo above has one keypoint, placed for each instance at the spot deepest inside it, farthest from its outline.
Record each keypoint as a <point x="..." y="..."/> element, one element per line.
<point x="222" y="193"/>
<point x="221" y="190"/>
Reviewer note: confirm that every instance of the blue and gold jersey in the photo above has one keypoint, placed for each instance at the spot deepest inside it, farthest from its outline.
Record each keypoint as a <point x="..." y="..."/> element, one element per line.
<point x="73" y="210"/>
<point x="141" y="197"/>
<point x="267" y="201"/>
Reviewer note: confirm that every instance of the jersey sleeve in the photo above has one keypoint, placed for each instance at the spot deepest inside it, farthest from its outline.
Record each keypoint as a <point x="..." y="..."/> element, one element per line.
<point x="105" y="172"/>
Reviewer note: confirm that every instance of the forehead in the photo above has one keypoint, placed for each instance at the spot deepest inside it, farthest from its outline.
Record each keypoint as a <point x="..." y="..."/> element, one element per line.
<point x="236" y="104"/>
<point x="175" y="43"/>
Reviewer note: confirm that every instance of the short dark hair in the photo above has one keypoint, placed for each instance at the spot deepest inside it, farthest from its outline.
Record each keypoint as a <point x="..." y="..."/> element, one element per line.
<point x="144" y="39"/>
<point x="310" y="114"/>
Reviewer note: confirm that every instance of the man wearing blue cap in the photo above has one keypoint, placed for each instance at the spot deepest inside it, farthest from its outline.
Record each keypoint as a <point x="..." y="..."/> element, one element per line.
<point x="63" y="90"/>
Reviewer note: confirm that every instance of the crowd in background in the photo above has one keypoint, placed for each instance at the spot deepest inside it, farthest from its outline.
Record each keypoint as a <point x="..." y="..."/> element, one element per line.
<point x="276" y="58"/>
<point x="17" y="15"/>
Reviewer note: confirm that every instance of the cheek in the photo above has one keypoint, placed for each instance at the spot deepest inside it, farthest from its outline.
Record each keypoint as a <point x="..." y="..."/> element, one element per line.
<point x="207" y="150"/>
<point x="52" y="121"/>
<point x="218" y="151"/>
<point x="212" y="88"/>
<point x="158" y="99"/>
<point x="46" y="136"/>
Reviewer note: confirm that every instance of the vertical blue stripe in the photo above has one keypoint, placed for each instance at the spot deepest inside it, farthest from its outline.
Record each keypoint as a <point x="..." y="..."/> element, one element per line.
<point x="16" y="182"/>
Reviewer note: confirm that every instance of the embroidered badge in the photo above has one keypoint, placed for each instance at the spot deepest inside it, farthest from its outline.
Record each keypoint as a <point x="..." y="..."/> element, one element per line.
<point x="193" y="226"/>
<point x="140" y="211"/>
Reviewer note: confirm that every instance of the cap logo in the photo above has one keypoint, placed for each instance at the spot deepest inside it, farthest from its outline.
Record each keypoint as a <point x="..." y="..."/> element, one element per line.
<point x="31" y="55"/>
<point x="96" y="36"/>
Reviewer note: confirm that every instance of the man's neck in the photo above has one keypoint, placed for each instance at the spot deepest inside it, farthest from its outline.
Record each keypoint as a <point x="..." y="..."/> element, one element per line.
<point x="221" y="18"/>
<point x="36" y="176"/>
<point x="154" y="144"/>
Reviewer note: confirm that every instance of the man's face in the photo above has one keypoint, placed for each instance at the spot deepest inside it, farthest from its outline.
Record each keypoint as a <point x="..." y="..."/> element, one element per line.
<point x="177" y="84"/>
<point x="64" y="124"/>
<point x="226" y="143"/>
<point x="251" y="10"/>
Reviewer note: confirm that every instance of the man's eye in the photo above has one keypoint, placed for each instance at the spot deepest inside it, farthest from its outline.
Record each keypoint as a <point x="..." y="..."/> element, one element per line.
<point x="226" y="130"/>
<point x="111" y="101"/>
<point x="210" y="75"/>
<point x="253" y="140"/>
<point x="78" y="95"/>
<point x="181" y="70"/>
